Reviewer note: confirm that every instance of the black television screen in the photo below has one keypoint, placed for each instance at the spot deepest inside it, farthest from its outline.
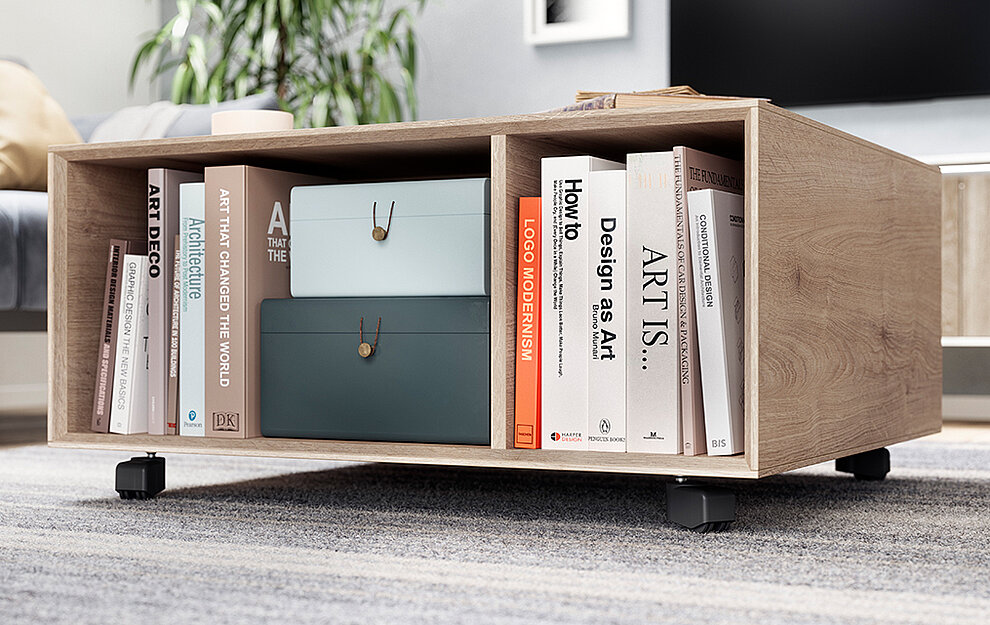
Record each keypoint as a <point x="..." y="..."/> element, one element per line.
<point x="800" y="52"/>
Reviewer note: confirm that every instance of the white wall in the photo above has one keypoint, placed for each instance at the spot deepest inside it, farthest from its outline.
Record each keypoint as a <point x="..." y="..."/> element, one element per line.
<point x="81" y="49"/>
<point x="921" y="128"/>
<point x="474" y="62"/>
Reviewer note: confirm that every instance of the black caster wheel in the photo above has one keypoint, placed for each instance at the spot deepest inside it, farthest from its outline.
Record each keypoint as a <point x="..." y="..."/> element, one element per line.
<point x="699" y="508"/>
<point x="141" y="477"/>
<point x="869" y="465"/>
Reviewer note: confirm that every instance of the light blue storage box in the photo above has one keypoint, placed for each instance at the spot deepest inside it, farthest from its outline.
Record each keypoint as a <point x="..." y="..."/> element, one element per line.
<point x="437" y="243"/>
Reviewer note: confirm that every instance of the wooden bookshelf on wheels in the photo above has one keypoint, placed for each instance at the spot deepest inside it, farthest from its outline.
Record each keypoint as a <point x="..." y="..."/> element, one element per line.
<point x="842" y="285"/>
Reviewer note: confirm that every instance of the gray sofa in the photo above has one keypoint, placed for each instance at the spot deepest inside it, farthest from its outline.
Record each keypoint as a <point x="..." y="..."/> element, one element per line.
<point x="24" y="227"/>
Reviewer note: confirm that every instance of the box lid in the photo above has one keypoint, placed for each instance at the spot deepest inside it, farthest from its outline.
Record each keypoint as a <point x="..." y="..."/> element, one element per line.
<point x="400" y="315"/>
<point x="413" y="198"/>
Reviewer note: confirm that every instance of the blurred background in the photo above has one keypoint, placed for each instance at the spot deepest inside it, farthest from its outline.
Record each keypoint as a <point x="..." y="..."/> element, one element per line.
<point x="912" y="75"/>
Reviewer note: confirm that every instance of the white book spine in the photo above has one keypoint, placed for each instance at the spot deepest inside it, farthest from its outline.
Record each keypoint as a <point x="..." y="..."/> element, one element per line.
<point x="565" y="183"/>
<point x="192" y="313"/>
<point x="653" y="420"/>
<point x="717" y="241"/>
<point x="607" y="292"/>
<point x="128" y="413"/>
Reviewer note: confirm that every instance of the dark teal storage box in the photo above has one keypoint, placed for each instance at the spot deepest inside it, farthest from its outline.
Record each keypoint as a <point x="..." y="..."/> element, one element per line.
<point x="427" y="381"/>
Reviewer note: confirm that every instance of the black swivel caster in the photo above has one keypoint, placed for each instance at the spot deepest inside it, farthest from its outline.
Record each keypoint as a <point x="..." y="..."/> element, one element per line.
<point x="699" y="508"/>
<point x="869" y="465"/>
<point x="141" y="477"/>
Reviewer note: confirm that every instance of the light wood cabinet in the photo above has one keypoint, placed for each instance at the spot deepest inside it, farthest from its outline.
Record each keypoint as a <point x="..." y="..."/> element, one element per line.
<point x="966" y="250"/>
<point x="842" y="282"/>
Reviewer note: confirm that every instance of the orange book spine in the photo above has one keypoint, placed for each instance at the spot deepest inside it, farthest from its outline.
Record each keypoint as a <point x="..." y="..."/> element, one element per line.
<point x="527" y="409"/>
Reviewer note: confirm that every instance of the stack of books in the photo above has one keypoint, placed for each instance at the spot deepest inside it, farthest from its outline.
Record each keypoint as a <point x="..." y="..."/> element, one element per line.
<point x="630" y="305"/>
<point x="218" y="244"/>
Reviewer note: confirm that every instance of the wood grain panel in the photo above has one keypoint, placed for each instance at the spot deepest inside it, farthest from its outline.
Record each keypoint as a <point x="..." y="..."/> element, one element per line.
<point x="417" y="453"/>
<point x="503" y="297"/>
<point x="58" y="367"/>
<point x="848" y="293"/>
<point x="751" y="287"/>
<point x="952" y="188"/>
<point x="974" y="254"/>
<point x="620" y="127"/>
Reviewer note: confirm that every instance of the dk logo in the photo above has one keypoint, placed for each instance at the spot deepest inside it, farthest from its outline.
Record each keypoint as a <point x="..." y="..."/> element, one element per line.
<point x="226" y="421"/>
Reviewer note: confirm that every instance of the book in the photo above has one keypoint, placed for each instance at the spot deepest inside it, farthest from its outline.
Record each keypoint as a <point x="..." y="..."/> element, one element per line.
<point x="108" y="340"/>
<point x="596" y="100"/>
<point x="717" y="230"/>
<point x="163" y="225"/>
<point x="128" y="410"/>
<point x="693" y="170"/>
<point x="607" y="293"/>
<point x="103" y="395"/>
<point x="565" y="184"/>
<point x="171" y="417"/>
<point x="247" y="245"/>
<point x="653" y="423"/>
<point x="527" y="409"/>
<point x="192" y="313"/>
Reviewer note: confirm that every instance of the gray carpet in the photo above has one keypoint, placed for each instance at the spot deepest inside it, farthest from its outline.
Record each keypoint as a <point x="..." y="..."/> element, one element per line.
<point x="238" y="540"/>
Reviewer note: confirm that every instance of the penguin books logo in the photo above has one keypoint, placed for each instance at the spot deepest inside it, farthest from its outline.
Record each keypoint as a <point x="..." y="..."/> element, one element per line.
<point x="555" y="436"/>
<point x="604" y="426"/>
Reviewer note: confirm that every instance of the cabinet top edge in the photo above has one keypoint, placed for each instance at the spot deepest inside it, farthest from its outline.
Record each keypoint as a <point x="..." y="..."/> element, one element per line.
<point x="450" y="129"/>
<point x="807" y="121"/>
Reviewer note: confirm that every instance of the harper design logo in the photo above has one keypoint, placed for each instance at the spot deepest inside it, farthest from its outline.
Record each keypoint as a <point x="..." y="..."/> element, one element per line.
<point x="604" y="426"/>
<point x="555" y="436"/>
<point x="226" y="421"/>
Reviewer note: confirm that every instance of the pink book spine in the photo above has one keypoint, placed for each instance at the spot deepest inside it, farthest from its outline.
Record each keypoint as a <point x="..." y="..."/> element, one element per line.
<point x="108" y="339"/>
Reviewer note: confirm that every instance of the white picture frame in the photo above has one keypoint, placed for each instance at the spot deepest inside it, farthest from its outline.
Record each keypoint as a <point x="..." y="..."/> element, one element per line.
<point x="548" y="22"/>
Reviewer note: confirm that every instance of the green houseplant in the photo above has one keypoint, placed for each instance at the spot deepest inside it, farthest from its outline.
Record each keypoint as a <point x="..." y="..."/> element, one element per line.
<point x="330" y="62"/>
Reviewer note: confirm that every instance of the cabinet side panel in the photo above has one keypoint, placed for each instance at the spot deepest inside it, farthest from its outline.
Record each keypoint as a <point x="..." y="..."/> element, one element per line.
<point x="57" y="368"/>
<point x="849" y="316"/>
<point x="502" y="275"/>
<point x="96" y="204"/>
<point x="974" y="254"/>
<point x="952" y="187"/>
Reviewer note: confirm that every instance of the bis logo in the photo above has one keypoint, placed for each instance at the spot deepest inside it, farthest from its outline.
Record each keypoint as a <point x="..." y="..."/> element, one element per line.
<point x="555" y="436"/>
<point x="604" y="426"/>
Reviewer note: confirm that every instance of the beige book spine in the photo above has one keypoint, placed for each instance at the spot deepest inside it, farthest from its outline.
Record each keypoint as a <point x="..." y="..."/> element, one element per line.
<point x="247" y="233"/>
<point x="224" y="323"/>
<point x="694" y="170"/>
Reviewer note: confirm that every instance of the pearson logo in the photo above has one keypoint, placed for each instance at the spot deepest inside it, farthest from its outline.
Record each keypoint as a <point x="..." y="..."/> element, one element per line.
<point x="192" y="415"/>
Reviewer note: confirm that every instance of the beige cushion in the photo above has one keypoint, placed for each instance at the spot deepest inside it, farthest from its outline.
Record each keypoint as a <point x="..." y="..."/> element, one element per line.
<point x="30" y="121"/>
